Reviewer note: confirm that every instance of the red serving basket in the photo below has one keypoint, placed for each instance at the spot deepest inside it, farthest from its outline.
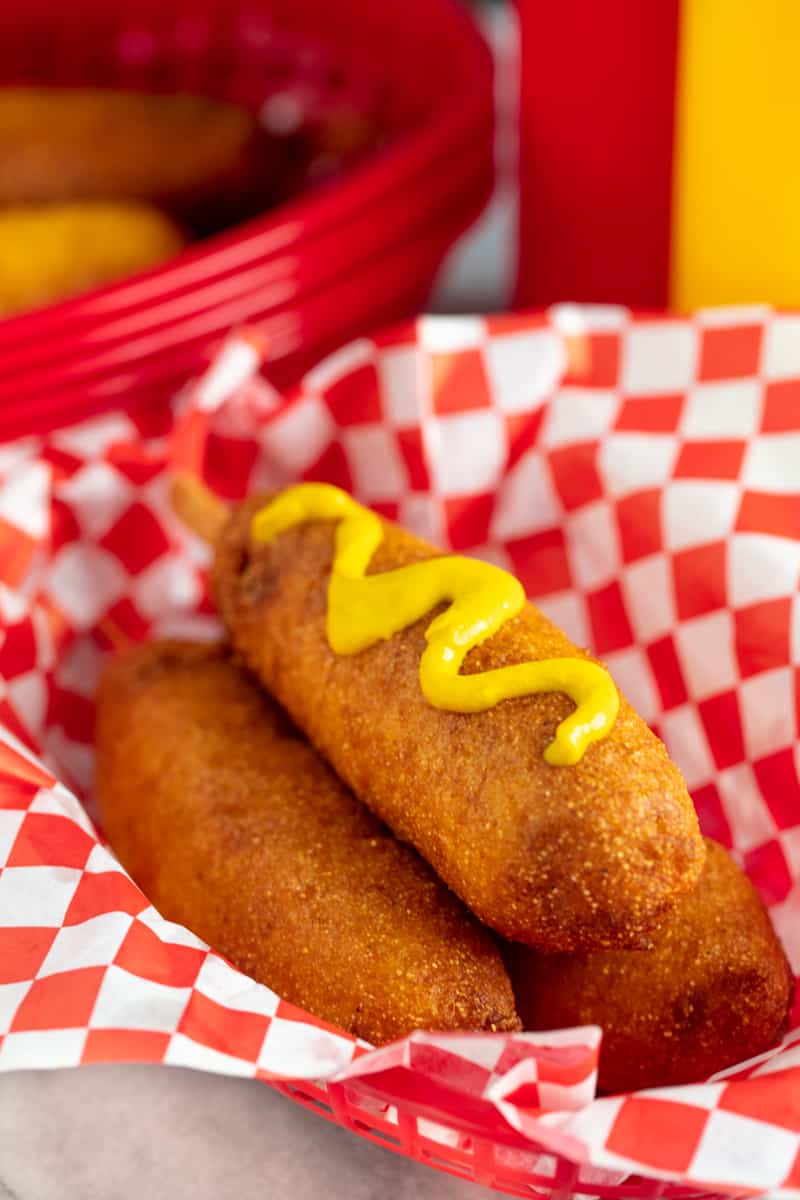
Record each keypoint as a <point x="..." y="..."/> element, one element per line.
<point x="347" y="255"/>
<point x="612" y="461"/>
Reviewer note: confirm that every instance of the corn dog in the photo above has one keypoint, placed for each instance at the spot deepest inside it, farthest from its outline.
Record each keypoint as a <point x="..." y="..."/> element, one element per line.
<point x="589" y="854"/>
<point x="51" y="251"/>
<point x="714" y="991"/>
<point x="202" y="160"/>
<point x="232" y="825"/>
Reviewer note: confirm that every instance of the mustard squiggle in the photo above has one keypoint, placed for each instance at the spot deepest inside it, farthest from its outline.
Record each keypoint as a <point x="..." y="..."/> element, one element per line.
<point x="364" y="609"/>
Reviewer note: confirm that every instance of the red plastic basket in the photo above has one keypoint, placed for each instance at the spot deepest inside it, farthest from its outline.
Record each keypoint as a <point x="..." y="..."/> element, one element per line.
<point x="309" y="267"/>
<point x="140" y="359"/>
<point x="507" y="1169"/>
<point x="84" y="533"/>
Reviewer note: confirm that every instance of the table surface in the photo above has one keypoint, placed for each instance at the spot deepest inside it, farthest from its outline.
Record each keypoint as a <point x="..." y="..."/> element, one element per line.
<point x="162" y="1133"/>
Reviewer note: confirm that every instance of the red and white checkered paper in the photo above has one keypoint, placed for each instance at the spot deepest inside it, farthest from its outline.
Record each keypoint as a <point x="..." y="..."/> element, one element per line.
<point x="651" y="507"/>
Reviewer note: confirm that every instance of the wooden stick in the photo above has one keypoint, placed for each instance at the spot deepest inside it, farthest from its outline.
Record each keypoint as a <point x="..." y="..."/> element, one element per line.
<point x="198" y="508"/>
<point x="120" y="641"/>
<point x="205" y="514"/>
<point x="579" y="354"/>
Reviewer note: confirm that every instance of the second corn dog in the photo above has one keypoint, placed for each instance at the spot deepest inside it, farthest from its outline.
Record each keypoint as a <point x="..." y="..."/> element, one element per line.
<point x="232" y="825"/>
<point x="201" y="160"/>
<point x="580" y="856"/>
<point x="51" y="251"/>
<point x="715" y="990"/>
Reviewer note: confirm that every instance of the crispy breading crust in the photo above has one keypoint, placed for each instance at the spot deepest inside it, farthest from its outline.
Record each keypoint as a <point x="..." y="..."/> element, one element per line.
<point x="563" y="858"/>
<point x="202" y="160"/>
<point x="232" y="825"/>
<point x="52" y="251"/>
<point x="715" y="990"/>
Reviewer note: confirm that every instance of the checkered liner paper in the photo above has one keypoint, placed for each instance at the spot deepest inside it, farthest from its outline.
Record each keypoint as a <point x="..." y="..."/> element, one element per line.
<point x="651" y="507"/>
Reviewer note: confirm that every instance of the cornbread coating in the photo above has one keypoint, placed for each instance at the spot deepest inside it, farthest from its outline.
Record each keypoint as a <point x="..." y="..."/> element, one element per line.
<point x="232" y="825"/>
<point x="52" y="251"/>
<point x="715" y="990"/>
<point x="562" y="858"/>
<point x="200" y="159"/>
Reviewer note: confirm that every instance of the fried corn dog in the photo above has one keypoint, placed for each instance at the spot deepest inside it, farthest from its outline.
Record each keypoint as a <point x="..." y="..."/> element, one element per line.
<point x="714" y="991"/>
<point x="233" y="826"/>
<point x="51" y="251"/>
<point x="200" y="159"/>
<point x="561" y="857"/>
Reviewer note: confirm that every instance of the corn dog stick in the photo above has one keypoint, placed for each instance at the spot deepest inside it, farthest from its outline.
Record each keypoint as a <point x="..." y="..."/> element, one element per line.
<point x="579" y="354"/>
<point x="198" y="508"/>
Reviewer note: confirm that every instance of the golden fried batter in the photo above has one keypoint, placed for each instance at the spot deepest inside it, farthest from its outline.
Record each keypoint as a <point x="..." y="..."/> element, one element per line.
<point x="715" y="990"/>
<point x="51" y="251"/>
<point x="562" y="858"/>
<point x="198" y="158"/>
<point x="233" y="826"/>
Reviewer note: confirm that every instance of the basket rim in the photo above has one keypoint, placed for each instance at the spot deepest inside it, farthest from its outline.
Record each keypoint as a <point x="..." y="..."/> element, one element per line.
<point x="462" y="121"/>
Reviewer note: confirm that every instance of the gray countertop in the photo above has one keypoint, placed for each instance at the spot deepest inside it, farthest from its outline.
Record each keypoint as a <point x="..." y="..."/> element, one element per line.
<point x="162" y="1133"/>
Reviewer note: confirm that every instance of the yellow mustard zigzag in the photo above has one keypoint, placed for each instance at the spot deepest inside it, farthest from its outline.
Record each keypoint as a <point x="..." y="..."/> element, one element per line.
<point x="364" y="609"/>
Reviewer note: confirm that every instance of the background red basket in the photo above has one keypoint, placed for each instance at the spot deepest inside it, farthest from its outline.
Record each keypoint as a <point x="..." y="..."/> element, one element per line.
<point x="349" y="255"/>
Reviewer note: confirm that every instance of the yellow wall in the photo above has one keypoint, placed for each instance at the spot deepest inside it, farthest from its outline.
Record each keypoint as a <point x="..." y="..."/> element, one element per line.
<point x="736" y="223"/>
